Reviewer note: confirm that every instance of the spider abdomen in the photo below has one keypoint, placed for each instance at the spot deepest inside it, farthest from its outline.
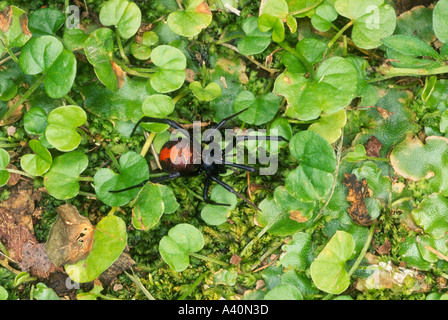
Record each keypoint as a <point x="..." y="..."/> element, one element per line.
<point x="178" y="156"/>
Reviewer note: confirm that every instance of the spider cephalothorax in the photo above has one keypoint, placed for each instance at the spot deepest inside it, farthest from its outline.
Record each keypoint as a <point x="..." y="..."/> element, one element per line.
<point x="182" y="157"/>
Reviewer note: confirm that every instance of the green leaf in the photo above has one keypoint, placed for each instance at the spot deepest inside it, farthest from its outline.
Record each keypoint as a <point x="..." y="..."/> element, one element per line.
<point x="216" y="215"/>
<point x="15" y="36"/>
<point x="133" y="170"/>
<point x="39" y="54"/>
<point x="158" y="106"/>
<point x="411" y="46"/>
<point x="61" y="130"/>
<point x="39" y="163"/>
<point x="329" y="126"/>
<point x="373" y="21"/>
<point x="42" y="292"/>
<point x="153" y="201"/>
<point x="35" y="121"/>
<point x="3" y="293"/>
<point x="255" y="40"/>
<point x="358" y="154"/>
<point x="284" y="292"/>
<point x="61" y="180"/>
<point x="313" y="179"/>
<point x="334" y="88"/>
<point x="431" y="215"/>
<point x="171" y="64"/>
<point x="8" y="89"/>
<point x="46" y="54"/>
<point x="276" y="8"/>
<point x="328" y="269"/>
<point x="74" y="39"/>
<point x="109" y="241"/>
<point x="267" y="22"/>
<point x="297" y="252"/>
<point x="4" y="161"/>
<point x="261" y="109"/>
<point x="176" y="246"/>
<point x="323" y="17"/>
<point x="61" y="75"/>
<point x="122" y="14"/>
<point x="192" y="20"/>
<point x="46" y="21"/>
<point x="440" y="23"/>
<point x="210" y="92"/>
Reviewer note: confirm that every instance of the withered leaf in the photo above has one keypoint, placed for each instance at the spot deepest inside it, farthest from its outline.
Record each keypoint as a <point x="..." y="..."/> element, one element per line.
<point x="373" y="147"/>
<point x="70" y="238"/>
<point x="297" y="216"/>
<point x="357" y="192"/>
<point x="23" y="19"/>
<point x="6" y="19"/>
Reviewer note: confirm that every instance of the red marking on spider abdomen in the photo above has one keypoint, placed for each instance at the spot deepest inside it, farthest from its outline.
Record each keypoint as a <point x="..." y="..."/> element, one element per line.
<point x="176" y="156"/>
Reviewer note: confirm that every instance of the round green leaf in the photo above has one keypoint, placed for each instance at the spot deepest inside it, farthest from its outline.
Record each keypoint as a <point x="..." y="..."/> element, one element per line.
<point x="46" y="21"/>
<point x="61" y="130"/>
<point x="255" y="40"/>
<point x="440" y="23"/>
<point x="35" y="121"/>
<point x="153" y="201"/>
<point x="122" y="14"/>
<point x="192" y="20"/>
<point x="109" y="241"/>
<point x="210" y="92"/>
<point x="3" y="293"/>
<point x="8" y="89"/>
<point x="158" y="106"/>
<point x="216" y="215"/>
<point x="176" y="246"/>
<point x="431" y="215"/>
<point x="39" y="54"/>
<point x="328" y="269"/>
<point x="39" y="163"/>
<point x="133" y="170"/>
<point x="61" y="75"/>
<point x="4" y="161"/>
<point x="329" y="125"/>
<point x="171" y="64"/>
<point x="261" y="109"/>
<point x="61" y="180"/>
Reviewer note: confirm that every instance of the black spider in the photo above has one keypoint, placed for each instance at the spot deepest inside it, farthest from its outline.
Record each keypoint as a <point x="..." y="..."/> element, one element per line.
<point x="181" y="158"/>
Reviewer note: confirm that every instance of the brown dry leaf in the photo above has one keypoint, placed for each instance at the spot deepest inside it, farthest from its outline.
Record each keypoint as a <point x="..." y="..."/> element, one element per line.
<point x="36" y="261"/>
<point x="235" y="260"/>
<point x="119" y="73"/>
<point x="297" y="216"/>
<point x="16" y="115"/>
<point x="190" y="75"/>
<point x="71" y="237"/>
<point x="384" y="248"/>
<point x="6" y="19"/>
<point x="23" y="19"/>
<point x="203" y="8"/>
<point x="373" y="147"/>
<point x="357" y="192"/>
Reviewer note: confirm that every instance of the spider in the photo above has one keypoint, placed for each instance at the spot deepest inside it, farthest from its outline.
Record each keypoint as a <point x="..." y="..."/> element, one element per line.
<point x="179" y="158"/>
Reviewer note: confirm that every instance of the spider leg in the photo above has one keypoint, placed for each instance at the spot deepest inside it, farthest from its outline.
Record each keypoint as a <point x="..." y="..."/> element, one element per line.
<point x="230" y="189"/>
<point x="205" y="194"/>
<point x="153" y="180"/>
<point x="239" y="166"/>
<point x="221" y="124"/>
<point x="169" y="122"/>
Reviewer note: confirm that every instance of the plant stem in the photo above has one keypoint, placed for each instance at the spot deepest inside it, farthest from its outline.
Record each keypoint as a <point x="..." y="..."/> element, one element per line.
<point x="87" y="194"/>
<point x="299" y="56"/>
<point x="22" y="173"/>
<point x="391" y="72"/>
<point x="336" y="37"/>
<point x="133" y="71"/>
<point x="306" y="9"/>
<point x="376" y="159"/>
<point x="138" y="283"/>
<point x="200" y="256"/>
<point x="148" y="143"/>
<point x="89" y="179"/>
<point x="194" y="285"/>
<point x="223" y="40"/>
<point x="120" y="48"/>
<point x="24" y="97"/>
<point x="9" y="145"/>
<point x="70" y="100"/>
